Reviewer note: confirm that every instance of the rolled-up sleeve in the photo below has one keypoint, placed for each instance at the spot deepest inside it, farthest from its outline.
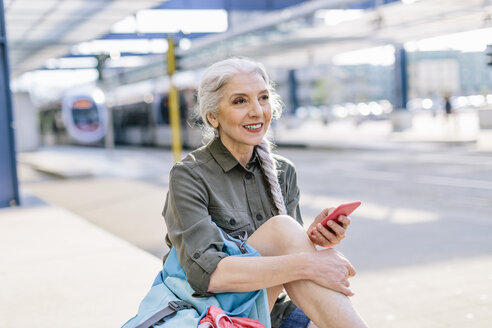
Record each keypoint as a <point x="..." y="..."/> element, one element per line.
<point x="197" y="241"/>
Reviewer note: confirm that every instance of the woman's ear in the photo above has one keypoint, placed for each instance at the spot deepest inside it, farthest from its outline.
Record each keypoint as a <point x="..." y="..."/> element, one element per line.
<point x="213" y="120"/>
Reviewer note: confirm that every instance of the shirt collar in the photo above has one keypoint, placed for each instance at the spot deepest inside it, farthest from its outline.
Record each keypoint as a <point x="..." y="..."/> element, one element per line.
<point x="224" y="158"/>
<point x="255" y="159"/>
<point x="222" y="155"/>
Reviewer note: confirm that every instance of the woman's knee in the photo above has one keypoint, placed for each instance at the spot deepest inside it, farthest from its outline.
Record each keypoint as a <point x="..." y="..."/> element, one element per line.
<point x="280" y="235"/>
<point x="285" y="223"/>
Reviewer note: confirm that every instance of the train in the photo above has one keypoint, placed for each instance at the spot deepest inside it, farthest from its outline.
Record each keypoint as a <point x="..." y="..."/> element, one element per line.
<point x="138" y="115"/>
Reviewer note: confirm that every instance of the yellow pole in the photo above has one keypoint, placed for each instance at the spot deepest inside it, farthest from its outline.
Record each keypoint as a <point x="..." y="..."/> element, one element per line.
<point x="175" y="124"/>
<point x="173" y="102"/>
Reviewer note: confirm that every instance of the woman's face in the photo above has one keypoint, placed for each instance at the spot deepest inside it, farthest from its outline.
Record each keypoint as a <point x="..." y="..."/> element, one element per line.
<point x="244" y="112"/>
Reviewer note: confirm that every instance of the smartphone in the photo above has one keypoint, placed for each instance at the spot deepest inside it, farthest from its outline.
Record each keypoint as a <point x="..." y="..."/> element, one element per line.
<point x="344" y="209"/>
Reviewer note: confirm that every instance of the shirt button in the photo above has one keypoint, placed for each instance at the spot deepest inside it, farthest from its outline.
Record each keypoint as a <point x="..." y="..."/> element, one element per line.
<point x="232" y="222"/>
<point x="196" y="256"/>
<point x="259" y="217"/>
<point x="248" y="176"/>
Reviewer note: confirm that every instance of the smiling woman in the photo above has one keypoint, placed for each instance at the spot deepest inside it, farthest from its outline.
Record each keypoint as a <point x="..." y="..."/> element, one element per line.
<point x="244" y="114"/>
<point x="235" y="188"/>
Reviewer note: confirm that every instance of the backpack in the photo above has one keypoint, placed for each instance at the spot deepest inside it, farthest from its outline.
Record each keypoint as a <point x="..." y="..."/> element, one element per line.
<point x="216" y="318"/>
<point x="170" y="301"/>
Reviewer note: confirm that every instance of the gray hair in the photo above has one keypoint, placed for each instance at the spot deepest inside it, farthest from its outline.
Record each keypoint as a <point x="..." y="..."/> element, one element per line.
<point x="209" y="95"/>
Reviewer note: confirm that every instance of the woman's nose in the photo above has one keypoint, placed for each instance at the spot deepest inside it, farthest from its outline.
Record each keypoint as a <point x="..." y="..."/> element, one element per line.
<point x="256" y="109"/>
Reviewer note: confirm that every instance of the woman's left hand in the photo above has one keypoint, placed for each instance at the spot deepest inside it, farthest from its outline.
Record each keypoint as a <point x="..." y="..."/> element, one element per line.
<point x="324" y="237"/>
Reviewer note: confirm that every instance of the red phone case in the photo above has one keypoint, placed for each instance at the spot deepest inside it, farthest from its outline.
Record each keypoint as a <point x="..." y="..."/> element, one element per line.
<point x="344" y="209"/>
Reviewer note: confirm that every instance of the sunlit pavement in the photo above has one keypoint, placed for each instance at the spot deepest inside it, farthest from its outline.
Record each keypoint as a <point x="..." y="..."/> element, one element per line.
<point x="58" y="270"/>
<point x="454" y="293"/>
<point x="420" y="242"/>
<point x="367" y="133"/>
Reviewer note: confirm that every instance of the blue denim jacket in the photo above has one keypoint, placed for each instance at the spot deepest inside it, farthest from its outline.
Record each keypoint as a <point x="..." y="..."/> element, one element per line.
<point x="171" y="285"/>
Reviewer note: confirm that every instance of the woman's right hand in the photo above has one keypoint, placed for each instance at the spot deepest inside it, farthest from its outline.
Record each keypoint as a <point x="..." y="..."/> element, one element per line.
<point x="330" y="269"/>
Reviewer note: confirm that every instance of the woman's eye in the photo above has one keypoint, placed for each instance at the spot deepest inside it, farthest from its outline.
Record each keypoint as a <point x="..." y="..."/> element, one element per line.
<point x="238" y="101"/>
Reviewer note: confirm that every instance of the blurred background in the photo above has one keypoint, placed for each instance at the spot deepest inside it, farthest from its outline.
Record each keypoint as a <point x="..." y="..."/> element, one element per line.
<point x="386" y="101"/>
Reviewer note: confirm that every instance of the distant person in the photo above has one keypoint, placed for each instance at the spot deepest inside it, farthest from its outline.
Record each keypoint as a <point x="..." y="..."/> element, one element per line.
<point x="451" y="121"/>
<point x="447" y="105"/>
<point x="236" y="185"/>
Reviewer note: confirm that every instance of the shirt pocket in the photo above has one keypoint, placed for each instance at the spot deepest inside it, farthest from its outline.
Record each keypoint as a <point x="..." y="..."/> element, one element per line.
<point x="231" y="220"/>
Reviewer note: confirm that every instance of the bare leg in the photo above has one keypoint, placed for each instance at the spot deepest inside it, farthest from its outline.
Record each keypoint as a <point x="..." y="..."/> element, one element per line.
<point x="282" y="235"/>
<point x="273" y="293"/>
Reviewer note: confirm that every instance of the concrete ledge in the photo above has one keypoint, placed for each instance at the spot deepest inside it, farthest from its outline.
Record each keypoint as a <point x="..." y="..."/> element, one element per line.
<point x="59" y="270"/>
<point x="401" y="120"/>
<point x="484" y="142"/>
<point x="485" y="118"/>
<point x="63" y="173"/>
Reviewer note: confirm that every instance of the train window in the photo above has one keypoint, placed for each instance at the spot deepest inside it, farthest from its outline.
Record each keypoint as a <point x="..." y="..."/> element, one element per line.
<point x="85" y="115"/>
<point x="84" y="119"/>
<point x="137" y="114"/>
<point x="164" y="110"/>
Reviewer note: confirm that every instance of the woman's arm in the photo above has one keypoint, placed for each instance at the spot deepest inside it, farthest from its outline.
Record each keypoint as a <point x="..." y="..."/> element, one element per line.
<point x="327" y="268"/>
<point x="197" y="240"/>
<point x="243" y="274"/>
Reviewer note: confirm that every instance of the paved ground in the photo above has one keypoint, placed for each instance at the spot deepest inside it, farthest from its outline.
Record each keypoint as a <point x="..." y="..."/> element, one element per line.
<point x="60" y="271"/>
<point x="421" y="241"/>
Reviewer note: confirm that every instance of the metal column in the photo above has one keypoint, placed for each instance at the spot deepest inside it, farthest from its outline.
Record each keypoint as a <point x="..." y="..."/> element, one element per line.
<point x="401" y="78"/>
<point x="9" y="191"/>
<point x="293" y="91"/>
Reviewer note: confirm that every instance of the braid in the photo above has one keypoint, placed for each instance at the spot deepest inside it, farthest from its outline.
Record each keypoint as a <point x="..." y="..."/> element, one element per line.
<point x="269" y="167"/>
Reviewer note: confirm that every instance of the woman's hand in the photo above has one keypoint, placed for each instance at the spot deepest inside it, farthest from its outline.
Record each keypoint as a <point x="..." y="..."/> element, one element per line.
<point x="332" y="270"/>
<point x="322" y="236"/>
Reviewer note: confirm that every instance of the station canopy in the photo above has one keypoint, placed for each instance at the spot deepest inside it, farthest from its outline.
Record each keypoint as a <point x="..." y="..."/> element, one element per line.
<point x="39" y="30"/>
<point x="281" y="32"/>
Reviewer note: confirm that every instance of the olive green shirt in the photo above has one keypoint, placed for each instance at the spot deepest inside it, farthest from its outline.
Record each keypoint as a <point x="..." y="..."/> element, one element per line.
<point x="210" y="185"/>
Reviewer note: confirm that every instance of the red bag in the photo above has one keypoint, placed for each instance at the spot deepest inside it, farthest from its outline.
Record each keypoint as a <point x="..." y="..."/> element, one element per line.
<point x="216" y="318"/>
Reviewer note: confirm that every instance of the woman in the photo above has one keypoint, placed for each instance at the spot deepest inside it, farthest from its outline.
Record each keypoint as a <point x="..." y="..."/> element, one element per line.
<point x="250" y="193"/>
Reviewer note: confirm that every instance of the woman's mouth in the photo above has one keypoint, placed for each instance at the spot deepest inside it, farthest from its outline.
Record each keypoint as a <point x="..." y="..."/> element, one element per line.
<point x="253" y="127"/>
